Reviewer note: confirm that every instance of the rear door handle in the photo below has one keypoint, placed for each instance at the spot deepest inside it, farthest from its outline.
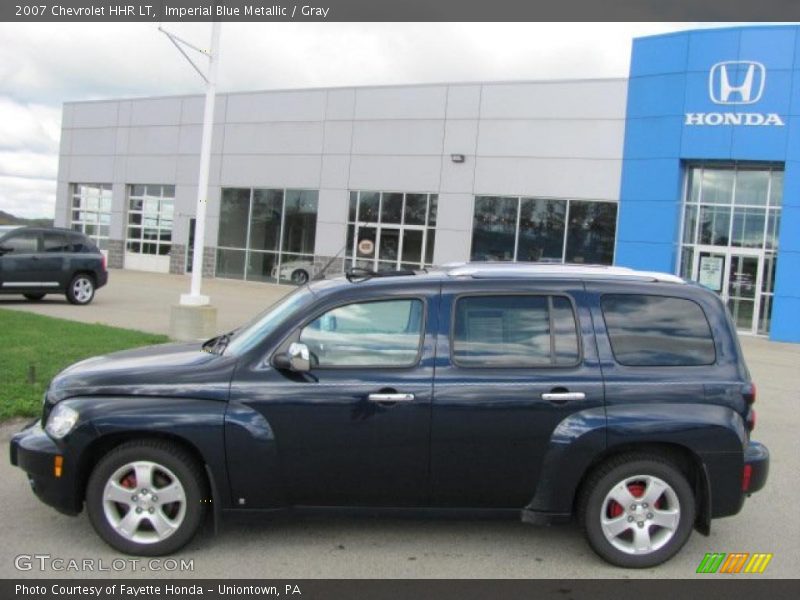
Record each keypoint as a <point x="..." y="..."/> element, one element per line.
<point x="563" y="396"/>
<point x="394" y="397"/>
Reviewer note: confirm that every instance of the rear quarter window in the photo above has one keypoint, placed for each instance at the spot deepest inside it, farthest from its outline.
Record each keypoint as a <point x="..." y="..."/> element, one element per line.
<point x="657" y="331"/>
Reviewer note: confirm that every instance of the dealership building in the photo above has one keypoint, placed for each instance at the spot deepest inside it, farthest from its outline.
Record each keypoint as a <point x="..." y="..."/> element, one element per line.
<point x="691" y="165"/>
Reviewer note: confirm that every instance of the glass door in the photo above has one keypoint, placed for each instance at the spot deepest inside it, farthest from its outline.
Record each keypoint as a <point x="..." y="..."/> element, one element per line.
<point x="736" y="275"/>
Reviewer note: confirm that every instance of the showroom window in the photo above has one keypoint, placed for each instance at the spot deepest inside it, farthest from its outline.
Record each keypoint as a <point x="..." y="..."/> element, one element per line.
<point x="731" y="215"/>
<point x="267" y="235"/>
<point x="91" y="211"/>
<point x="391" y="230"/>
<point x="151" y="209"/>
<point x="543" y="230"/>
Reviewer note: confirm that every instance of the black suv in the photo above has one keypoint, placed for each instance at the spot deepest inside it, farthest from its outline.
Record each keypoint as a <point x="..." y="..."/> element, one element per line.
<point x="548" y="392"/>
<point x="35" y="262"/>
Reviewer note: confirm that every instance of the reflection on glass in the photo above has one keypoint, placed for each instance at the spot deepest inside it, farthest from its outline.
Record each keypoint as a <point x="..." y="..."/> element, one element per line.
<point x="511" y="331"/>
<point x="382" y="334"/>
<point x="714" y="225"/>
<point x="265" y="219"/>
<point x="748" y="227"/>
<point x="776" y="189"/>
<point x="368" y="207"/>
<point x="416" y="206"/>
<point x="689" y="224"/>
<point x="717" y="186"/>
<point x="233" y="217"/>
<point x="412" y="247"/>
<point x="389" y="248"/>
<point x="494" y="228"/>
<point x="541" y="229"/>
<point x="657" y="330"/>
<point x="752" y="187"/>
<point x="230" y="264"/>
<point x="261" y="266"/>
<point x="300" y="221"/>
<point x="591" y="231"/>
<point x="392" y="208"/>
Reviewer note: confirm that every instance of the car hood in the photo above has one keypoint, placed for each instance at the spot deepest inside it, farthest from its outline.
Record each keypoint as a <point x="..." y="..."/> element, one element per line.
<point x="181" y="370"/>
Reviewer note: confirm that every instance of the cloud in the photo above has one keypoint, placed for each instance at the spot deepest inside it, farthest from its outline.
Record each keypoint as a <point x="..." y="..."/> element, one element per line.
<point x="24" y="197"/>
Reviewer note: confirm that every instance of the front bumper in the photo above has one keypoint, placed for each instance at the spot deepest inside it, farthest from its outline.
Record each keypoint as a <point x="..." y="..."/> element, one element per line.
<point x="33" y="451"/>
<point x="756" y="456"/>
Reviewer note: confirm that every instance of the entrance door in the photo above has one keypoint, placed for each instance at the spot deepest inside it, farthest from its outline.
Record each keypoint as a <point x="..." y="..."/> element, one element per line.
<point x="735" y="274"/>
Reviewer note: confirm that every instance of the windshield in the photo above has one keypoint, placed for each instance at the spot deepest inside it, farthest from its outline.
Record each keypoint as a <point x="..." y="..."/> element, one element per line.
<point x="256" y="330"/>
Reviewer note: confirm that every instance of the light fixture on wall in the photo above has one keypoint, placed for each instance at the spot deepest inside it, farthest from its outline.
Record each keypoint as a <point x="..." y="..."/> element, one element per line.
<point x="457" y="158"/>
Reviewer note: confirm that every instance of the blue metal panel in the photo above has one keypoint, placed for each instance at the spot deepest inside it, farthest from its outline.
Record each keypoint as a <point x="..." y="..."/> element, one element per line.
<point x="653" y="137"/>
<point x="759" y="143"/>
<point x="656" y="95"/>
<point x="773" y="46"/>
<point x="791" y="189"/>
<point x="659" y="54"/>
<point x="789" y="240"/>
<point x="707" y="46"/>
<point x="785" y="323"/>
<point x="645" y="255"/>
<point x="650" y="179"/>
<point x="646" y="221"/>
<point x="794" y="107"/>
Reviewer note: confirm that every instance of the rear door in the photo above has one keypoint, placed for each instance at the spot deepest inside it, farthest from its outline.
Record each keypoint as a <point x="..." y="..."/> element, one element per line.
<point x="514" y="360"/>
<point x="19" y="262"/>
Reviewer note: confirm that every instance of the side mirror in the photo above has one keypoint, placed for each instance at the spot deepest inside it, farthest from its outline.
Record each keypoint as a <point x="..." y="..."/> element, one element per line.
<point x="297" y="358"/>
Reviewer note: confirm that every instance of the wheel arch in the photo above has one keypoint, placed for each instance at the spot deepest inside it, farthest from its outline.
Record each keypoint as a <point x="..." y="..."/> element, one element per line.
<point x="684" y="459"/>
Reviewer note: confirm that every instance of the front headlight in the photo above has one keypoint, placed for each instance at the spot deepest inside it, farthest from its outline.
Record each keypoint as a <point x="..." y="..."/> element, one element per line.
<point x="61" y="420"/>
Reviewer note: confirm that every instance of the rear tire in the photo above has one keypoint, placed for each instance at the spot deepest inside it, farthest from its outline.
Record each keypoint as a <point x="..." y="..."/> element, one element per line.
<point x="145" y="497"/>
<point x="81" y="289"/>
<point x="299" y="276"/>
<point x="637" y="510"/>
<point x="34" y="297"/>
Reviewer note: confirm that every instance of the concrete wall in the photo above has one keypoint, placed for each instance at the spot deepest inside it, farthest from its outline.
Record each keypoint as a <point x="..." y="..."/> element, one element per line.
<point x="555" y="139"/>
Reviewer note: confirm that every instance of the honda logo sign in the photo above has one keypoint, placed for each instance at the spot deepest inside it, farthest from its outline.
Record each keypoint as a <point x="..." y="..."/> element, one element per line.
<point x="736" y="82"/>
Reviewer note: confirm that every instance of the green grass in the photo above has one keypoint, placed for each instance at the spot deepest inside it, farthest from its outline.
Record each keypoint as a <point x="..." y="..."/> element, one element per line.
<point x="49" y="345"/>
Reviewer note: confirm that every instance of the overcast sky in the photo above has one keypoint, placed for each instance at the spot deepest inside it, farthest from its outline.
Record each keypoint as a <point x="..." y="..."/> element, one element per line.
<point x="44" y="65"/>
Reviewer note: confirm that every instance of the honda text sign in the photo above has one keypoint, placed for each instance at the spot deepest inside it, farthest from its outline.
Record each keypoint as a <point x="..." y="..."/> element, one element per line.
<point x="733" y="84"/>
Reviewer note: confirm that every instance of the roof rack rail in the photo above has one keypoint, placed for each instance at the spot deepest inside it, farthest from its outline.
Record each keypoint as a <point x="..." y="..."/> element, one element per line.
<point x="359" y="274"/>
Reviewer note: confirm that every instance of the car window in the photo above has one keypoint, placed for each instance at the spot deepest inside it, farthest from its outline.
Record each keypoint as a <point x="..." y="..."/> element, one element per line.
<point x="657" y="330"/>
<point x="514" y="331"/>
<point x="22" y="243"/>
<point x="384" y="333"/>
<point x="80" y="243"/>
<point x="55" y="242"/>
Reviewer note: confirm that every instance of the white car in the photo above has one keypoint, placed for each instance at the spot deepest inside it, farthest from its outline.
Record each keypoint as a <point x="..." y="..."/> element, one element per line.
<point x="297" y="271"/>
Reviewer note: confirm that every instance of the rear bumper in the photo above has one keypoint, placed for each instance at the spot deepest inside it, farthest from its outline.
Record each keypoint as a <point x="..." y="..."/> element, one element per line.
<point x="101" y="278"/>
<point x="33" y="451"/>
<point x="756" y="457"/>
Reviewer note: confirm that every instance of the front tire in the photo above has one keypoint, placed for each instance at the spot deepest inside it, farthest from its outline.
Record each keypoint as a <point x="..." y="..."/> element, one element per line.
<point x="637" y="510"/>
<point x="34" y="297"/>
<point x="146" y="498"/>
<point x="81" y="289"/>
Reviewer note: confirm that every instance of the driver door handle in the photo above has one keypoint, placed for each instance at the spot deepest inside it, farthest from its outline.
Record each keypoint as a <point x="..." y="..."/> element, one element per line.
<point x="563" y="396"/>
<point x="394" y="397"/>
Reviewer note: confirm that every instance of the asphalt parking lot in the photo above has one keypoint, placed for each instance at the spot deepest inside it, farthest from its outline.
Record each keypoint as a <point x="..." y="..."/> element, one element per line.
<point x="382" y="547"/>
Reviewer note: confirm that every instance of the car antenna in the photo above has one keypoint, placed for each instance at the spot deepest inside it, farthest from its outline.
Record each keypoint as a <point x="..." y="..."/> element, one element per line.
<point x="323" y="270"/>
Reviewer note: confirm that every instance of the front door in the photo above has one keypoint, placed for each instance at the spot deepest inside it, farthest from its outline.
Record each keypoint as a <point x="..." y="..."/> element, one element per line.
<point x="518" y="360"/>
<point x="736" y="275"/>
<point x="19" y="263"/>
<point x="355" y="430"/>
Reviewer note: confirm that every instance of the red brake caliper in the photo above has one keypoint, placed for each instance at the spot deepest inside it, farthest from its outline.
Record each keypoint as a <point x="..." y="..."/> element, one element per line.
<point x="129" y="481"/>
<point x="637" y="491"/>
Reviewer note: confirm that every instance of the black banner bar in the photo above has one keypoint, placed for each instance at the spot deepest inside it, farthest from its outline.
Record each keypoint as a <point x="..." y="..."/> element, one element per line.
<point x="711" y="588"/>
<point x="398" y="10"/>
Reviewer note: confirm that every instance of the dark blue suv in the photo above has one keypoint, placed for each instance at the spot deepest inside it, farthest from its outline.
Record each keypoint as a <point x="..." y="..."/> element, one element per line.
<point x="547" y="392"/>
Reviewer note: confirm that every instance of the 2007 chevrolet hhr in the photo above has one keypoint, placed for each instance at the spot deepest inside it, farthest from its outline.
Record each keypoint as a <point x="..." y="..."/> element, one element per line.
<point x="549" y="392"/>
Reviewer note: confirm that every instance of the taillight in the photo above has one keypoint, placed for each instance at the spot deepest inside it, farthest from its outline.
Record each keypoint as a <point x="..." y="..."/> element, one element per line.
<point x="747" y="473"/>
<point x="749" y="393"/>
<point x="105" y="261"/>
